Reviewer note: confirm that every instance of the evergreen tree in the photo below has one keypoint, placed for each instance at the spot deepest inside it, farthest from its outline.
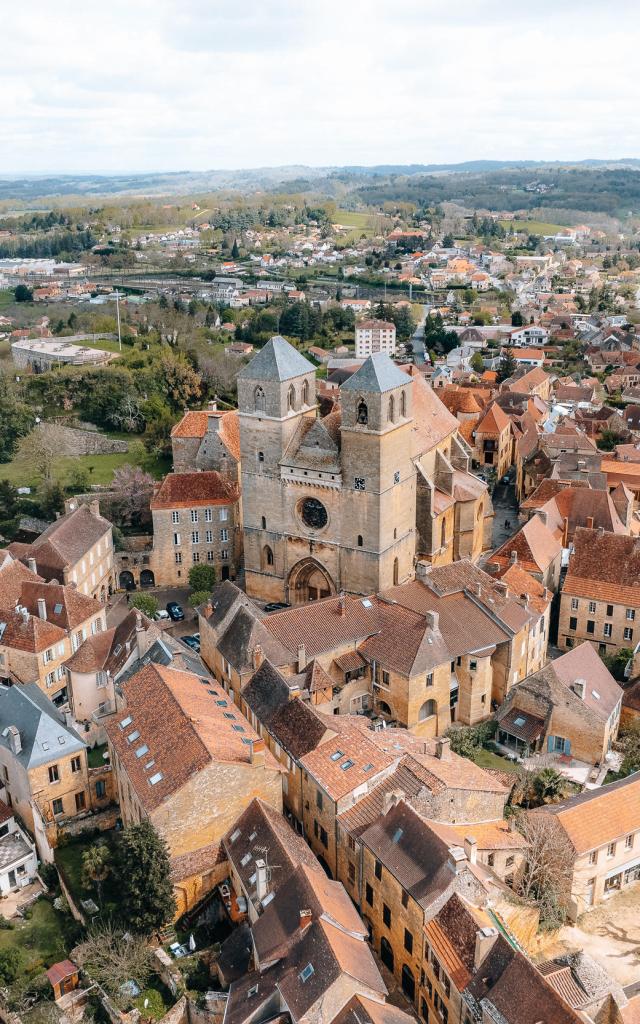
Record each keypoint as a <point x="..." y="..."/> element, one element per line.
<point x="143" y="871"/>
<point x="235" y="252"/>
<point x="507" y="366"/>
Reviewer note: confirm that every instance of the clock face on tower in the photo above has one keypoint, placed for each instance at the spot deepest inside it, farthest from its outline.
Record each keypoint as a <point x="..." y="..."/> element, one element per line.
<point x="314" y="514"/>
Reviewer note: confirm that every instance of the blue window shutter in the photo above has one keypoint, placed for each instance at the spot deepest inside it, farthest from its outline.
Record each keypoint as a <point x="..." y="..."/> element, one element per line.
<point x="550" y="744"/>
<point x="567" y="746"/>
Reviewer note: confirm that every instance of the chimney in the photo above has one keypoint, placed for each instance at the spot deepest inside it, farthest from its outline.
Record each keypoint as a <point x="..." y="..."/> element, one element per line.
<point x="31" y="562"/>
<point x="457" y="859"/>
<point x="306" y="918"/>
<point x="25" y="613"/>
<point x="261" y="879"/>
<point x="68" y="719"/>
<point x="422" y="569"/>
<point x="600" y="531"/>
<point x="341" y="605"/>
<point x="589" y="524"/>
<point x="302" y="658"/>
<point x="390" y="800"/>
<point x="207" y="609"/>
<point x="513" y="557"/>
<point x="565" y="532"/>
<point x="257" y="752"/>
<point x="580" y="687"/>
<point x="42" y="609"/>
<point x="258" y="657"/>
<point x="443" y="748"/>
<point x="471" y="849"/>
<point x="138" y="622"/>
<point x="502" y="589"/>
<point x="433" y="620"/>
<point x="485" y="938"/>
<point x="542" y="515"/>
<point x="94" y="507"/>
<point x="212" y="406"/>
<point x="15" y="741"/>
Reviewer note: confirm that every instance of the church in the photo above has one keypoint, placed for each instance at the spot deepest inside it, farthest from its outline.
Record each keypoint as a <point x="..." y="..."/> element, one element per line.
<point x="352" y="500"/>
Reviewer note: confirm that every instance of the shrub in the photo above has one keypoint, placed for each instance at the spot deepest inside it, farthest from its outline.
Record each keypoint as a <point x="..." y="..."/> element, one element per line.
<point x="11" y="964"/>
<point x="146" y="603"/>
<point x="5" y="925"/>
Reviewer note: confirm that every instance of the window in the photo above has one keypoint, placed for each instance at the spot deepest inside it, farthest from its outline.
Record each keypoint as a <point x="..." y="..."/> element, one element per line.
<point x="631" y="614"/>
<point x="175" y="517"/>
<point x="611" y="850"/>
<point x="385" y="678"/>
<point x="81" y="801"/>
<point x="628" y="633"/>
<point x="609" y="609"/>
<point x="195" y="536"/>
<point x="75" y="764"/>
<point x="324" y="839"/>
<point x="224" y="515"/>
<point x="386" y="915"/>
<point x="362" y="413"/>
<point x="194" y="515"/>
<point x="319" y="799"/>
<point x="378" y="870"/>
<point x="392" y="409"/>
<point x="574" y="604"/>
<point x="208" y="536"/>
<point x="428" y="709"/>
<point x="305" y="392"/>
<point x="429" y="678"/>
<point x="267" y="555"/>
<point x="260" y="456"/>
<point x="403" y="404"/>
<point x="473" y="665"/>
<point x="607" y="629"/>
<point x="491" y="859"/>
<point x="259" y="399"/>
<point x="408" y="941"/>
<point x="352" y="872"/>
<point x="263" y="522"/>
<point x="54" y="774"/>
<point x="178" y="558"/>
<point x="368" y="894"/>
<point x="224" y="535"/>
<point x="57" y="807"/>
<point x="509" y="862"/>
<point x="591" y="626"/>
<point x="628" y="843"/>
<point x="359" y="483"/>
<point x="351" y="843"/>
<point x="209" y="556"/>
<point x="48" y="655"/>
<point x="291" y="398"/>
<point x="593" y="857"/>
<point x="224" y="555"/>
<point x="208" y="515"/>
<point x="360" y="540"/>
<point x="592" y="607"/>
<point x="195" y="556"/>
<point x="176" y="538"/>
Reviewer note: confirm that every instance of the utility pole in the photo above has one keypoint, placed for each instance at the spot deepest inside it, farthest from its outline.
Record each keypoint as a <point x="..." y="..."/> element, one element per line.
<point x="118" y="319"/>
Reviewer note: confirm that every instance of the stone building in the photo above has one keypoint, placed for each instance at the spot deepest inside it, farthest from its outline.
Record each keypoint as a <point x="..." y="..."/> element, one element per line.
<point x="76" y="549"/>
<point x="196" y="520"/>
<point x="600" y="598"/>
<point x="346" y="501"/>
<point x="208" y="439"/>
<point x="188" y="761"/>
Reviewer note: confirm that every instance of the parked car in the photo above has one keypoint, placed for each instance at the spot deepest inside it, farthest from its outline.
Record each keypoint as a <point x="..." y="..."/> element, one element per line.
<point x="160" y="615"/>
<point x="175" y="611"/>
<point x="276" y="606"/>
<point x="193" y="642"/>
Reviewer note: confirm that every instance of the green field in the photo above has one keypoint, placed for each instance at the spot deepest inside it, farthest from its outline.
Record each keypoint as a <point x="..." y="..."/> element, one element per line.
<point x="6" y="298"/>
<point x="487" y="759"/>
<point x="99" y="469"/>
<point x="532" y="227"/>
<point x="41" y="940"/>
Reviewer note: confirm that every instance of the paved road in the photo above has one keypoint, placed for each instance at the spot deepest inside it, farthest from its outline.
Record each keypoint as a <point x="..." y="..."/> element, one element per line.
<point x="506" y="511"/>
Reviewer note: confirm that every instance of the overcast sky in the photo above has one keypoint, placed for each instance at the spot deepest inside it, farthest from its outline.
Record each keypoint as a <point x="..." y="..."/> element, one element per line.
<point x="195" y="84"/>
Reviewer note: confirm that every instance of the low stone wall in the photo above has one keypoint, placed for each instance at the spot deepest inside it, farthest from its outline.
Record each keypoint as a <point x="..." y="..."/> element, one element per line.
<point x="77" y="441"/>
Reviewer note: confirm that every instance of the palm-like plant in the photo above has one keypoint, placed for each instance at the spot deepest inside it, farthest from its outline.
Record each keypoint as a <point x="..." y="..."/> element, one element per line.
<point x="96" y="866"/>
<point x="548" y="786"/>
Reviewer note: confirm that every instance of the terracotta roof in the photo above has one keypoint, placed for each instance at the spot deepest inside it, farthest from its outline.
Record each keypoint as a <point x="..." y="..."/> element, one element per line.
<point x="599" y="816"/>
<point x="350" y="662"/>
<point x="92" y="655"/>
<point x="522" y="724"/>
<point x="494" y="421"/>
<point x="361" y="1010"/>
<point x="66" y="606"/>
<point x="184" y="490"/>
<point x="432" y="421"/>
<point x="292" y="722"/>
<point x="196" y="862"/>
<point x="12" y="575"/>
<point x="168" y="711"/>
<point x="404" y="779"/>
<point x="28" y="633"/>
<point x="66" y="541"/>
<point x="321" y="627"/>
<point x="193" y="424"/>
<point x="452" y="936"/>
<point x="342" y="763"/>
<point x="465" y="400"/>
<point x="535" y="545"/>
<point x="513" y="987"/>
<point x="605" y="567"/>
<point x="522" y="583"/>
<point x="489" y="835"/>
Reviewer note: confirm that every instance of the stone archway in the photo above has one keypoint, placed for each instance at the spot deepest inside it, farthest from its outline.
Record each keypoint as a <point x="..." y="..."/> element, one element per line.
<point x="309" y="581"/>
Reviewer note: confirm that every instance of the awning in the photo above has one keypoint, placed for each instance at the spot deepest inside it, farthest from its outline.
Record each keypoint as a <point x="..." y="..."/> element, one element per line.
<point x="622" y="868"/>
<point x="522" y="725"/>
<point x="350" y="662"/>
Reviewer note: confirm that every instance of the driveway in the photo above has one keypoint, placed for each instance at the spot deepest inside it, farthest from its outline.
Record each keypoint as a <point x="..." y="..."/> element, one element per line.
<point x="610" y="933"/>
<point x="505" y="508"/>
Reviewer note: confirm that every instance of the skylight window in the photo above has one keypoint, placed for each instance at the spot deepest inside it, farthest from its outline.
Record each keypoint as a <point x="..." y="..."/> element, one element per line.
<point x="245" y="860"/>
<point x="252" y="836"/>
<point x="253" y="991"/>
<point x="594" y="693"/>
<point x="142" y="750"/>
<point x="520" y="721"/>
<point x="57" y="608"/>
<point x="346" y="765"/>
<point x="367" y="603"/>
<point x="149" y="764"/>
<point x="234" y="835"/>
<point x="212" y="692"/>
<point x="337" y="754"/>
<point x="155" y="779"/>
<point x="135" y="735"/>
<point x="61" y="741"/>
<point x="397" y="835"/>
<point x="222" y="703"/>
<point x="229" y="714"/>
<point x="126" y="721"/>
<point x="367" y="767"/>
<point x="306" y="972"/>
<point x="267" y="899"/>
<point x="117" y="649"/>
<point x="252" y="879"/>
<point x="238" y="728"/>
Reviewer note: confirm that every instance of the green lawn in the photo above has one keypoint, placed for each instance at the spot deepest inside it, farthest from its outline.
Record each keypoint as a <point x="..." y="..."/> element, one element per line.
<point x="6" y="298"/>
<point x="159" y="1000"/>
<point x="487" y="759"/>
<point x="45" y="938"/>
<point x="352" y="219"/>
<point x="68" y="860"/>
<point x="533" y="227"/>
<point x="99" y="468"/>
<point x="95" y="758"/>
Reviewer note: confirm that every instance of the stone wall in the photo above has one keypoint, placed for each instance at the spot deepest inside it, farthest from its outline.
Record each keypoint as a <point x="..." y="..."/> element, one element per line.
<point x="77" y="441"/>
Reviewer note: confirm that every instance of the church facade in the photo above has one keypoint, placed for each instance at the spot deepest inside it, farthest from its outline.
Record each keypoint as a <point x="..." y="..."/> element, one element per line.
<point x="348" y="501"/>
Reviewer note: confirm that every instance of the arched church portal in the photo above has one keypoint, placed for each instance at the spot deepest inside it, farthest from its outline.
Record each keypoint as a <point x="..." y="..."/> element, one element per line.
<point x="309" y="581"/>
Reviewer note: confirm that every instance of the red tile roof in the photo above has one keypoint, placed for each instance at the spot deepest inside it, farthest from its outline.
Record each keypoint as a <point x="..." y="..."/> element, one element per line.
<point x="605" y="567"/>
<point x="184" y="490"/>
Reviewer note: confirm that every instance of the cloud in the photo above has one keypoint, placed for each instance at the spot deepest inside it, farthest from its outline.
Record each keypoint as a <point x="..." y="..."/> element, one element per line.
<point x="175" y="84"/>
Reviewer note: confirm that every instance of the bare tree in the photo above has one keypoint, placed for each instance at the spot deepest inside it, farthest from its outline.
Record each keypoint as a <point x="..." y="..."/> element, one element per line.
<point x="133" y="487"/>
<point x="546" y="878"/>
<point x="112" y="957"/>
<point x="128" y="415"/>
<point x="40" y="449"/>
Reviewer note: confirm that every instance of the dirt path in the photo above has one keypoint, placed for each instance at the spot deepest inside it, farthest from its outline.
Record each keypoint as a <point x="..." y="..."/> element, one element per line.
<point x="610" y="934"/>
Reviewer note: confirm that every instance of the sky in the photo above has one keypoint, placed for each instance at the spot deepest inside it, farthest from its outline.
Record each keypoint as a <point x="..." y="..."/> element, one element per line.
<point x="160" y="85"/>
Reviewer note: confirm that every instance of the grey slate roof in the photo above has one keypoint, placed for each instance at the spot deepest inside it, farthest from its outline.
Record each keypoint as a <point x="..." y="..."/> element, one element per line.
<point x="277" y="361"/>
<point x="43" y="734"/>
<point x="377" y="374"/>
<point x="12" y="849"/>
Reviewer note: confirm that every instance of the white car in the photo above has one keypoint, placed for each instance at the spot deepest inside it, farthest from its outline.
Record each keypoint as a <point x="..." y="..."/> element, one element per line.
<point x="161" y="615"/>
